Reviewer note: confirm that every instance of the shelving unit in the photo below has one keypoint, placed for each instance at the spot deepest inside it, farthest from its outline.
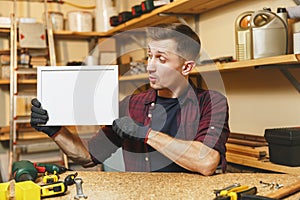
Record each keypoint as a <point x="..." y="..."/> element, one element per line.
<point x="178" y="7"/>
<point x="290" y="59"/>
<point x="184" y="8"/>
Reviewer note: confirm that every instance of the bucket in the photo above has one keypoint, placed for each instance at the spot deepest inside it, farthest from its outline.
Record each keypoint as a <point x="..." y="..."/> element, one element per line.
<point x="80" y="21"/>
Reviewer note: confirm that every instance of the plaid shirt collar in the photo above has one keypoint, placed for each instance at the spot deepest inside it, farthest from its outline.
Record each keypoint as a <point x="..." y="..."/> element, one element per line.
<point x="188" y="96"/>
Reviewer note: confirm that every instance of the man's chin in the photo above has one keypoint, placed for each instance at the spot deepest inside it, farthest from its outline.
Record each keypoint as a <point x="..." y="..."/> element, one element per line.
<point x="155" y="86"/>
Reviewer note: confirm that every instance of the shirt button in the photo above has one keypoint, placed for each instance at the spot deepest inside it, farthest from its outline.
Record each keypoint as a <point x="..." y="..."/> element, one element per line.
<point x="146" y="159"/>
<point x="152" y="104"/>
<point x="149" y="115"/>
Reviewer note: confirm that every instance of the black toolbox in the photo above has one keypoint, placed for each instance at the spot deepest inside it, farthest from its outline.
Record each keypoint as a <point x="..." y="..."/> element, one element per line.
<point x="284" y="145"/>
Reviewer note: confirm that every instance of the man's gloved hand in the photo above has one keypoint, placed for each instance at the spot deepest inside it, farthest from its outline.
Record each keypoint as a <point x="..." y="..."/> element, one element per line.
<point x="125" y="127"/>
<point x="39" y="116"/>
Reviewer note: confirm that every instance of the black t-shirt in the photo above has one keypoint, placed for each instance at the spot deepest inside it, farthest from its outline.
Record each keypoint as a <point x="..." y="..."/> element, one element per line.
<point x="164" y="119"/>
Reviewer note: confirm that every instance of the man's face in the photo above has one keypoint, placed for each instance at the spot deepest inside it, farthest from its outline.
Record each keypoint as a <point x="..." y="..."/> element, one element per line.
<point x="164" y="64"/>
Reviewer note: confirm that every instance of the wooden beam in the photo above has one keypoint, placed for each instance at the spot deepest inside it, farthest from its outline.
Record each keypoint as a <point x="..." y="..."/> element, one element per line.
<point x="246" y="150"/>
<point x="266" y="165"/>
<point x="246" y="142"/>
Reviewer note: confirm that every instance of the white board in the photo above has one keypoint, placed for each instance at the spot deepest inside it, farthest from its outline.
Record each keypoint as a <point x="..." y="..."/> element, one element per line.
<point x="79" y="95"/>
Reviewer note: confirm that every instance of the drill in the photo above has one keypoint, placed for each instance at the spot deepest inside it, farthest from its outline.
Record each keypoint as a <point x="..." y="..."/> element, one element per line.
<point x="25" y="170"/>
<point x="51" y="168"/>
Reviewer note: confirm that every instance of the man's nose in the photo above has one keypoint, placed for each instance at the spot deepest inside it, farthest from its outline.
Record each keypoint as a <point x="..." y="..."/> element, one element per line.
<point x="151" y="65"/>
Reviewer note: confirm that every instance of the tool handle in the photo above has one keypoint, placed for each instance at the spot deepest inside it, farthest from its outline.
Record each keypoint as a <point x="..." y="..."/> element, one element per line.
<point x="285" y="191"/>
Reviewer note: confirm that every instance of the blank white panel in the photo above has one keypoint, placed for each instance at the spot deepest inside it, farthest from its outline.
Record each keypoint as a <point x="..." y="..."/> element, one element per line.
<point x="79" y="95"/>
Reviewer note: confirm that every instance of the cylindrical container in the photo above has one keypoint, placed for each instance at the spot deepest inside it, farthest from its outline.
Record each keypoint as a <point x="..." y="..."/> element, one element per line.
<point x="104" y="10"/>
<point x="269" y="34"/>
<point x="57" y="20"/>
<point x="296" y="37"/>
<point x="80" y="21"/>
<point x="243" y="37"/>
<point x="282" y="13"/>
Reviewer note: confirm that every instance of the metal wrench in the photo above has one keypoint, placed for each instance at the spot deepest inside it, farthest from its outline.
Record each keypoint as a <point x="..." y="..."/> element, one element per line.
<point x="78" y="182"/>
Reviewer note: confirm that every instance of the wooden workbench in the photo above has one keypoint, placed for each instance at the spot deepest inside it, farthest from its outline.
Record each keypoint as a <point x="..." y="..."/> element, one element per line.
<point x="125" y="185"/>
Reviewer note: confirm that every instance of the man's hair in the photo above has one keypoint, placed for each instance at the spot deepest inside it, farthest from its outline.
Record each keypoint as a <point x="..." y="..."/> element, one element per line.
<point x="188" y="42"/>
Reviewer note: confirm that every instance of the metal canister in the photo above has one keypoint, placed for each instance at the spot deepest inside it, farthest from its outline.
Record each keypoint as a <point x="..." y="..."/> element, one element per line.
<point x="243" y="37"/>
<point x="296" y="37"/>
<point x="269" y="34"/>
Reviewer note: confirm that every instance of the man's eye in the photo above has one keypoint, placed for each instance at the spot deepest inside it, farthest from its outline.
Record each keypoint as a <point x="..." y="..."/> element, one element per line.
<point x="162" y="59"/>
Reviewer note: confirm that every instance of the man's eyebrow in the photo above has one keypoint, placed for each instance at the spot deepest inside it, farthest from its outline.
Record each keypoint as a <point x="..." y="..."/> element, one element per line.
<point x="162" y="52"/>
<point x="159" y="51"/>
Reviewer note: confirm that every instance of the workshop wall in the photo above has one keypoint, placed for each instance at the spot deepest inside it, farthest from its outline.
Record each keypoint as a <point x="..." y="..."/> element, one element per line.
<point x="258" y="98"/>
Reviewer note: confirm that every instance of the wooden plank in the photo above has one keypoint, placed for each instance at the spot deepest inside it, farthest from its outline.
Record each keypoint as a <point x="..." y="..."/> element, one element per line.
<point x="247" y="137"/>
<point x="179" y="6"/>
<point x="224" y="67"/>
<point x="275" y="60"/>
<point x="246" y="150"/>
<point x="266" y="165"/>
<point x="246" y="142"/>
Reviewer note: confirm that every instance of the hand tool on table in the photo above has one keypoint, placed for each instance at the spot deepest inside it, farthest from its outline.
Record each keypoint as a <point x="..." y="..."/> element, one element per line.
<point x="25" y="170"/>
<point x="51" y="168"/>
<point x="70" y="179"/>
<point x="50" y="178"/>
<point x="79" y="190"/>
<point x="234" y="192"/>
<point x="53" y="189"/>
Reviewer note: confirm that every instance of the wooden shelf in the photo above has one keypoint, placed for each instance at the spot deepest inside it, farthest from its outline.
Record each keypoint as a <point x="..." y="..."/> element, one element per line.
<point x="22" y="81"/>
<point x="148" y="19"/>
<point x="276" y="60"/>
<point x="69" y="35"/>
<point x="222" y="67"/>
<point x="137" y="77"/>
<point x="176" y="7"/>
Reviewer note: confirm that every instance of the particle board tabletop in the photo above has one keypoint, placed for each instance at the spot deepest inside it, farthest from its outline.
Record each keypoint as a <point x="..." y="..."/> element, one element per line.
<point x="139" y="185"/>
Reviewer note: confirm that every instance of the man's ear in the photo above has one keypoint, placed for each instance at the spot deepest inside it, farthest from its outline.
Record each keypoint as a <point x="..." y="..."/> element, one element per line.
<point x="188" y="66"/>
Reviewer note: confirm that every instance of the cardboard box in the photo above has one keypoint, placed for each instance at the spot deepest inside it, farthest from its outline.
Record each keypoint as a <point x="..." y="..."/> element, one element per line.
<point x="284" y="145"/>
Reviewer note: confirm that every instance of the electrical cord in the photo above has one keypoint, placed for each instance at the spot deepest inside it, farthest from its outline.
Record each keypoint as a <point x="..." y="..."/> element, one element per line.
<point x="71" y="4"/>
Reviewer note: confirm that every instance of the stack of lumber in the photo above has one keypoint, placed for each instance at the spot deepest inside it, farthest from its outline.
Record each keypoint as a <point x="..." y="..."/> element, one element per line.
<point x="253" y="151"/>
<point x="246" y="147"/>
<point x="25" y="132"/>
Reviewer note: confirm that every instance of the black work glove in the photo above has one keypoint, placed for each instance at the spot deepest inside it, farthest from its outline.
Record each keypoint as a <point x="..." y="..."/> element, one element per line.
<point x="39" y="116"/>
<point x="125" y="127"/>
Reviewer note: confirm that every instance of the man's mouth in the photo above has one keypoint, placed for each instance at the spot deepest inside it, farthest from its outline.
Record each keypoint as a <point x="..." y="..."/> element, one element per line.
<point x="152" y="78"/>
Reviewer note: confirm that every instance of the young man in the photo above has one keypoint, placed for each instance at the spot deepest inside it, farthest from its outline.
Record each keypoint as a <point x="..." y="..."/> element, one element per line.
<point x="172" y="127"/>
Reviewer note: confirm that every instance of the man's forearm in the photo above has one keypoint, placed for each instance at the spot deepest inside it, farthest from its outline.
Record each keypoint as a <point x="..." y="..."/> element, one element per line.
<point x="73" y="147"/>
<point x="191" y="155"/>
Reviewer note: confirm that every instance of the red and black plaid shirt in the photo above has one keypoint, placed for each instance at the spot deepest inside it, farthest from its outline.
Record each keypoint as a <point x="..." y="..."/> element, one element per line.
<point x="203" y="117"/>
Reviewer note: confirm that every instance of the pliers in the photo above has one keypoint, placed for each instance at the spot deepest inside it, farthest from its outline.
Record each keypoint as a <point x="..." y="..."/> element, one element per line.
<point x="238" y="192"/>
